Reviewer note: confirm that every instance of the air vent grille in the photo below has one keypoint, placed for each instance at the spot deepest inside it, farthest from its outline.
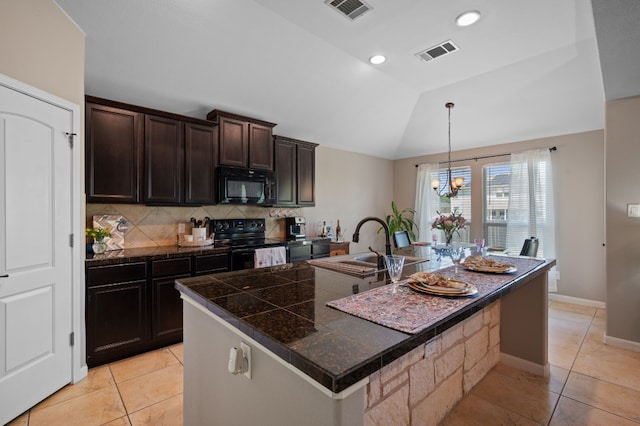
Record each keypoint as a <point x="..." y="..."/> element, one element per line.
<point x="437" y="51"/>
<point x="351" y="9"/>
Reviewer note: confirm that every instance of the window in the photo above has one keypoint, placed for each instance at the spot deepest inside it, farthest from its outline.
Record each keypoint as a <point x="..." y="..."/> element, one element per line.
<point x="460" y="203"/>
<point x="526" y="209"/>
<point x="496" y="178"/>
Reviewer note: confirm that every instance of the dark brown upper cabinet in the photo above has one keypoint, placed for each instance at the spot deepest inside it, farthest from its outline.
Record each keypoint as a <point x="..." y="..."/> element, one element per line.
<point x="113" y="154"/>
<point x="200" y="144"/>
<point x="244" y="141"/>
<point x="295" y="171"/>
<point x="136" y="154"/>
<point x="163" y="160"/>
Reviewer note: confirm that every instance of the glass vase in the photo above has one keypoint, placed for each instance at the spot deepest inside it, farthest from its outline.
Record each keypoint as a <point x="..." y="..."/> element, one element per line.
<point x="99" y="246"/>
<point x="448" y="237"/>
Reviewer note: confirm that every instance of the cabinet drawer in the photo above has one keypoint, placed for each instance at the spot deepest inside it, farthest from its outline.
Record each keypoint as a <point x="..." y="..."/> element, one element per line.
<point x="212" y="263"/>
<point x="162" y="268"/>
<point x="116" y="273"/>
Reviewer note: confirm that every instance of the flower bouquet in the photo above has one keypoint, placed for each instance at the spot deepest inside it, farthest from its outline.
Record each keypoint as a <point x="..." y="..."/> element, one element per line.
<point x="98" y="235"/>
<point x="449" y="224"/>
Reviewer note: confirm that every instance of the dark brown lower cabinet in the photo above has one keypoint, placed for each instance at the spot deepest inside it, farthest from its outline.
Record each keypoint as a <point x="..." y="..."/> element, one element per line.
<point x="116" y="312"/>
<point x="166" y="305"/>
<point x="134" y="307"/>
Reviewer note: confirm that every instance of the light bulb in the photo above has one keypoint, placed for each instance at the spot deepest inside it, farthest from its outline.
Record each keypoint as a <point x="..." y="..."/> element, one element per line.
<point x="468" y="18"/>
<point x="377" y="59"/>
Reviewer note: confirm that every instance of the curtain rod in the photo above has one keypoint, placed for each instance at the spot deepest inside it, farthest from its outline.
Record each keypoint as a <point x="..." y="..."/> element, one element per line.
<point x="553" y="148"/>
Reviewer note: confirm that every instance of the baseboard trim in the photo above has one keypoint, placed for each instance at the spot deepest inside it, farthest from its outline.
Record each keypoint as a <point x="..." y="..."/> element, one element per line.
<point x="577" y="301"/>
<point x="523" y="364"/>
<point x="621" y="343"/>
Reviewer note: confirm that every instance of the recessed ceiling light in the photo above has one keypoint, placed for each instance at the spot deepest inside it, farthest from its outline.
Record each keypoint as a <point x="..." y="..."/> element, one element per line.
<point x="377" y="59"/>
<point x="468" y="18"/>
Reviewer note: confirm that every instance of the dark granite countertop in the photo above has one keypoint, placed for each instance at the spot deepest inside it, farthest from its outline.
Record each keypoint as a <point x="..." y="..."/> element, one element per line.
<point x="284" y="309"/>
<point x="115" y="257"/>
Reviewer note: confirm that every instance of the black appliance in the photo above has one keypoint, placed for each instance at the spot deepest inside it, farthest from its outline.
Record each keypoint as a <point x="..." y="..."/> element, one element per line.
<point x="301" y="250"/>
<point x="294" y="228"/>
<point x="243" y="237"/>
<point x="246" y="186"/>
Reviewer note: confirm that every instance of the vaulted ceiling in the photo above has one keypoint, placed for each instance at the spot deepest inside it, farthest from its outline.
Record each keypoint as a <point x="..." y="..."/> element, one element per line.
<point x="526" y="69"/>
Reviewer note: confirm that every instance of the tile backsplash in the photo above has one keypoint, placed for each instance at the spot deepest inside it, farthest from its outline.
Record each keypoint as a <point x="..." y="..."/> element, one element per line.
<point x="152" y="226"/>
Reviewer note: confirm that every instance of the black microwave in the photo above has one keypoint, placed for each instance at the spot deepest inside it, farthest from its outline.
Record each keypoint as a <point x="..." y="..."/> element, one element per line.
<point x="246" y="186"/>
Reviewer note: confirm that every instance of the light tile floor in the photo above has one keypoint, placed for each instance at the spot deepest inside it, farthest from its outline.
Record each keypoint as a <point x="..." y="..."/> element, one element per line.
<point x="590" y="384"/>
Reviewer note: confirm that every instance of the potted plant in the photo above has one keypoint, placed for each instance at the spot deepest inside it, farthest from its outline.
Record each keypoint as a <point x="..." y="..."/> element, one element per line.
<point x="398" y="222"/>
<point x="98" y="235"/>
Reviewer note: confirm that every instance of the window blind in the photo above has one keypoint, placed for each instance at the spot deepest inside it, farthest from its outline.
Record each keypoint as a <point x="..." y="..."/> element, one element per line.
<point x="495" y="207"/>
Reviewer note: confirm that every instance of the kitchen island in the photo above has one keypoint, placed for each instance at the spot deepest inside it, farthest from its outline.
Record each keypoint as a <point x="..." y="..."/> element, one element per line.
<point x="314" y="364"/>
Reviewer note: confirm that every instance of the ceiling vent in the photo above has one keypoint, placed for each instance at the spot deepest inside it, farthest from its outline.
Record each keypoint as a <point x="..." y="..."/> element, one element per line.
<point x="352" y="9"/>
<point x="437" y="51"/>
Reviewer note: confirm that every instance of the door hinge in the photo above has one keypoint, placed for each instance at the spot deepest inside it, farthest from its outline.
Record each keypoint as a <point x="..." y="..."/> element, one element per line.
<point x="72" y="339"/>
<point x="70" y="136"/>
<point x="71" y="240"/>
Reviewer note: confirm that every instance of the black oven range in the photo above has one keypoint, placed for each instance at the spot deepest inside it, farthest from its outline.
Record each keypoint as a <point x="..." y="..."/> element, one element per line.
<point x="243" y="237"/>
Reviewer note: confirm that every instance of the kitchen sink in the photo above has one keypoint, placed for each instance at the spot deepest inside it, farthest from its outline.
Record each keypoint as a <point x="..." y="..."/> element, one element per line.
<point x="361" y="265"/>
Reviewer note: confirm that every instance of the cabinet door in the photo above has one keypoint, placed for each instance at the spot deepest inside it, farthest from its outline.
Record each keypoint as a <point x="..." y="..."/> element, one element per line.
<point x="260" y="147"/>
<point x="285" y="164"/>
<point x="306" y="175"/>
<point x="200" y="163"/>
<point x="164" y="159"/>
<point x="234" y="142"/>
<point x="166" y="310"/>
<point x="113" y="154"/>
<point x="116" y="321"/>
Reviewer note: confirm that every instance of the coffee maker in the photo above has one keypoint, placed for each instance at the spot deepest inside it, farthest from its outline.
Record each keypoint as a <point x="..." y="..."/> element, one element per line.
<point x="294" y="228"/>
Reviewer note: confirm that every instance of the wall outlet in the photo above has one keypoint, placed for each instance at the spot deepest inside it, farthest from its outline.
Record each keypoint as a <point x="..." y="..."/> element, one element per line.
<point x="246" y="351"/>
<point x="181" y="228"/>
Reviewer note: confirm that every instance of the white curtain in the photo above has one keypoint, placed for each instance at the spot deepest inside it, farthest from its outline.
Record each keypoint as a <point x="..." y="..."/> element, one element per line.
<point x="531" y="207"/>
<point x="427" y="201"/>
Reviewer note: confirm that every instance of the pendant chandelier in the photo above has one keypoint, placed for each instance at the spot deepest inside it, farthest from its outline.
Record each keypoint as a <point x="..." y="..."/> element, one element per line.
<point x="450" y="188"/>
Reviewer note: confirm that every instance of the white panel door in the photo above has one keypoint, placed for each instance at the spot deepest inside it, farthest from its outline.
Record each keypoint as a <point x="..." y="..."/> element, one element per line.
<point x="35" y="252"/>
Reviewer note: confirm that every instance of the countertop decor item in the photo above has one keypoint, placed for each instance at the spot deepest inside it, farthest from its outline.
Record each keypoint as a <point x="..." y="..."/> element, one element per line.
<point x="117" y="225"/>
<point x="449" y="223"/>
<point x="98" y="235"/>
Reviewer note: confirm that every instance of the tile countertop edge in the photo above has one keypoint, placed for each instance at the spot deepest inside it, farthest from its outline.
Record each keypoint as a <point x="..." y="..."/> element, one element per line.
<point x="336" y="384"/>
<point x="115" y="257"/>
<point x="197" y="302"/>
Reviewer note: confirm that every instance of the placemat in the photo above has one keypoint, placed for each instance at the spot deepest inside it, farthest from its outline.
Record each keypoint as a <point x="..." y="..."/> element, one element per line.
<point x="411" y="312"/>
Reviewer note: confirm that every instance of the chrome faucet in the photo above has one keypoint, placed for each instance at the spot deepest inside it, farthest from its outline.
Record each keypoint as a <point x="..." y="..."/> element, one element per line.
<point x="387" y="233"/>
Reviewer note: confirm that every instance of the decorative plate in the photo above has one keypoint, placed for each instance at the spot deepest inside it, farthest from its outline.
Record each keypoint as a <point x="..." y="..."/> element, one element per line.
<point x="469" y="289"/>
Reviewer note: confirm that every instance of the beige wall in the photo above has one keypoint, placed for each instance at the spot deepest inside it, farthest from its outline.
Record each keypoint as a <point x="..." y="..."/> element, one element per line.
<point x="351" y="187"/>
<point x="623" y="233"/>
<point x="578" y="167"/>
<point x="41" y="46"/>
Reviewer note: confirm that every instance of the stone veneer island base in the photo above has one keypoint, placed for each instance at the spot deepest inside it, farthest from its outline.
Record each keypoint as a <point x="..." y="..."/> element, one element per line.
<point x="289" y="387"/>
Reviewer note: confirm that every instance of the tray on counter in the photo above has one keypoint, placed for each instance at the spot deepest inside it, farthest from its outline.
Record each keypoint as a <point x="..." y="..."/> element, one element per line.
<point x="201" y="243"/>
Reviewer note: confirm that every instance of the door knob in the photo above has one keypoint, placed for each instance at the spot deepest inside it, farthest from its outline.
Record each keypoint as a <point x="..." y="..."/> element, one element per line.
<point x="4" y="276"/>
